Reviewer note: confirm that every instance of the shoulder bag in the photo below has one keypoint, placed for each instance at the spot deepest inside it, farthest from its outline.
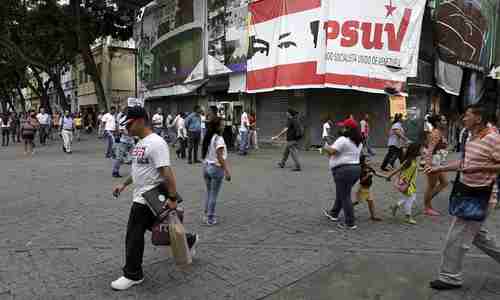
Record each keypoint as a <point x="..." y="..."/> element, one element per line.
<point x="403" y="185"/>
<point x="469" y="203"/>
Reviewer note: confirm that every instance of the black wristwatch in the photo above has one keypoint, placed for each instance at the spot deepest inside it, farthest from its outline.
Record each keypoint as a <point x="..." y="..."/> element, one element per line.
<point x="172" y="198"/>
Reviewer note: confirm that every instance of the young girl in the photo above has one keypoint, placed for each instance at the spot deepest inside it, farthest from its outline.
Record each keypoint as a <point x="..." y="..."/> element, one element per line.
<point x="407" y="174"/>
<point x="78" y="125"/>
<point x="365" y="182"/>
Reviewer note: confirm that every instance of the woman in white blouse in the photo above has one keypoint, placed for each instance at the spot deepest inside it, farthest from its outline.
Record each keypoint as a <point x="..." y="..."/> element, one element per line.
<point x="215" y="168"/>
<point x="344" y="163"/>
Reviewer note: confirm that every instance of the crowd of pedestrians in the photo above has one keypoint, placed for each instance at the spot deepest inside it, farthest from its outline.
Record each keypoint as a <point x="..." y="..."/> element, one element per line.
<point x="24" y="127"/>
<point x="132" y="137"/>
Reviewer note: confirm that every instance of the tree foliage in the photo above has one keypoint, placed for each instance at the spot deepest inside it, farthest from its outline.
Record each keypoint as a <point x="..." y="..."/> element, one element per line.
<point x="42" y="36"/>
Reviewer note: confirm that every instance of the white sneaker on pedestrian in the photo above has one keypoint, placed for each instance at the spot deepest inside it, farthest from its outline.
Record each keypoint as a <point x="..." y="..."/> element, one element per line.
<point x="123" y="283"/>
<point x="327" y="214"/>
<point x="195" y="242"/>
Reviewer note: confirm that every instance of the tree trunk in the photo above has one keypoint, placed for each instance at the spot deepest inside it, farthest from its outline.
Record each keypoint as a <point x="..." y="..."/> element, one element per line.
<point x="10" y="102"/>
<point x="56" y="79"/>
<point x="91" y="69"/>
<point x="3" y="100"/>
<point x="42" y="88"/>
<point x="88" y="59"/>
<point x="21" y="98"/>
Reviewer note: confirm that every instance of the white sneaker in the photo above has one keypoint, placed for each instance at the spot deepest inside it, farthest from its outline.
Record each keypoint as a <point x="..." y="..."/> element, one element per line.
<point x="195" y="243"/>
<point x="123" y="283"/>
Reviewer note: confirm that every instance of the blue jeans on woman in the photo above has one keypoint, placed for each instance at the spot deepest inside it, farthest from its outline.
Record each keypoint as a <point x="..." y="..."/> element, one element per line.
<point x="213" y="175"/>
<point x="345" y="177"/>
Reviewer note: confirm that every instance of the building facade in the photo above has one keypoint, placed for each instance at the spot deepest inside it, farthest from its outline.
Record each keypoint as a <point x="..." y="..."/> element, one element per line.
<point x="215" y="52"/>
<point x="116" y="66"/>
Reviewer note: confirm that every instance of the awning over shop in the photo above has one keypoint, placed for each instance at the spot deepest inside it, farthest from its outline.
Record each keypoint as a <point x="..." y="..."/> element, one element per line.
<point x="176" y="90"/>
<point x="217" y="84"/>
<point x="237" y="83"/>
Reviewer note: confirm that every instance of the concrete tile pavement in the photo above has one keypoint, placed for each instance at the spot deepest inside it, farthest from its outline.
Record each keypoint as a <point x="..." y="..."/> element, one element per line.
<point x="63" y="232"/>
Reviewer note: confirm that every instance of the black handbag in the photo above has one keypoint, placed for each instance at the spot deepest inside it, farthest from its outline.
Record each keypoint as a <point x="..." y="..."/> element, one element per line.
<point x="156" y="197"/>
<point x="469" y="203"/>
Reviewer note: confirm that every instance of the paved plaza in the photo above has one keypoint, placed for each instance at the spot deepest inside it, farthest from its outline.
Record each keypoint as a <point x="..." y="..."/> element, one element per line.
<point x="62" y="235"/>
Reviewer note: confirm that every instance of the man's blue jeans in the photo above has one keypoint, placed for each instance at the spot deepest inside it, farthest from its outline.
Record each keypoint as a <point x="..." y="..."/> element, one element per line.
<point x="110" y="139"/>
<point x="243" y="141"/>
<point x="213" y="176"/>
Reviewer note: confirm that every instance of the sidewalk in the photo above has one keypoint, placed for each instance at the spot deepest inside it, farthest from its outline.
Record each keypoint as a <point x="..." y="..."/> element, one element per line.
<point x="62" y="235"/>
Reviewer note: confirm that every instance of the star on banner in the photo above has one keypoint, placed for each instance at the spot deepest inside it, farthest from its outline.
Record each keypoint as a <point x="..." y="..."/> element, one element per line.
<point x="390" y="9"/>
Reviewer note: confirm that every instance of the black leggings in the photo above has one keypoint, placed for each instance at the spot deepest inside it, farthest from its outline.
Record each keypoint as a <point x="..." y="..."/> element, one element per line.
<point x="391" y="156"/>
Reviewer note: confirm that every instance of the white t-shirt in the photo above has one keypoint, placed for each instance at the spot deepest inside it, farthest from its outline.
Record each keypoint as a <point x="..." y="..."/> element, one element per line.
<point x="169" y="120"/>
<point x="157" y="121"/>
<point x="5" y="125"/>
<point x="109" y="122"/>
<point x="43" y="119"/>
<point x="203" y="122"/>
<point x="216" y="143"/>
<point x="244" y="122"/>
<point x="149" y="154"/>
<point x="347" y="152"/>
<point x="181" y="127"/>
<point x="326" y="129"/>
<point x="365" y="129"/>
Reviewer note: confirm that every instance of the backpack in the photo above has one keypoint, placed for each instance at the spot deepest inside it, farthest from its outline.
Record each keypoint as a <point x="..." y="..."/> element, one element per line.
<point x="299" y="128"/>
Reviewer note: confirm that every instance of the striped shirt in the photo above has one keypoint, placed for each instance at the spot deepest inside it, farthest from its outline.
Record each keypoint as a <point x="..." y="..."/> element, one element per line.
<point x="482" y="151"/>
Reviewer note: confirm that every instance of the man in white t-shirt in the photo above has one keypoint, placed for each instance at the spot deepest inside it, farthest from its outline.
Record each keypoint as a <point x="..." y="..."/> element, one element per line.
<point x="150" y="168"/>
<point x="100" y="124"/>
<point x="365" y="133"/>
<point x="157" y="121"/>
<point x="109" y="121"/>
<point x="244" y="127"/>
<point x="44" y="120"/>
<point x="327" y="134"/>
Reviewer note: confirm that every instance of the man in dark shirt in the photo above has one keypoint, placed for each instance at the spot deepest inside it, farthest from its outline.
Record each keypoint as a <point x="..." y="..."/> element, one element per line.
<point x="193" y="126"/>
<point x="293" y="135"/>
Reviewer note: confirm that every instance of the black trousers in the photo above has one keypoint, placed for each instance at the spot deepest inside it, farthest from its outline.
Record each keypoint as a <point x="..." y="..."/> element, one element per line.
<point x="391" y="156"/>
<point x="5" y="136"/>
<point x="44" y="132"/>
<point x="141" y="219"/>
<point x="194" y="138"/>
<point x="228" y="137"/>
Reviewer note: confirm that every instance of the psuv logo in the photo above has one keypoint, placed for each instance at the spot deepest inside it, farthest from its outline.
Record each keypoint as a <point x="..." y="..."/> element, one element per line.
<point x="139" y="154"/>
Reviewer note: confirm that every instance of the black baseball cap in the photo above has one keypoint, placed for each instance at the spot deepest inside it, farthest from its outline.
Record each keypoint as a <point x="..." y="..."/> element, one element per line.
<point x="134" y="113"/>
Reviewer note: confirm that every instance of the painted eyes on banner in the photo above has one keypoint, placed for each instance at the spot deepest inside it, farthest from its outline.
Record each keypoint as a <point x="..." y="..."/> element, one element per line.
<point x="286" y="44"/>
<point x="258" y="46"/>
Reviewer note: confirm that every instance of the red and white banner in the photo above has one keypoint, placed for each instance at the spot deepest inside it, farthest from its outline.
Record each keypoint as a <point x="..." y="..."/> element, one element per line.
<point x="368" y="45"/>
